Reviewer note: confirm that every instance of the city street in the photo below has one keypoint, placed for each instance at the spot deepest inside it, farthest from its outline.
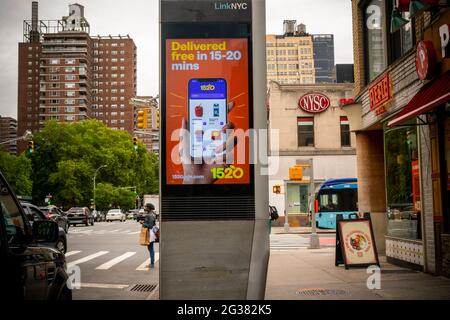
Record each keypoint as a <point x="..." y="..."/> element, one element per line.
<point x="111" y="261"/>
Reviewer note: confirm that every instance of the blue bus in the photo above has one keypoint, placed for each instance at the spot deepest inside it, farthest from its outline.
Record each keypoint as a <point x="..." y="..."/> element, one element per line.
<point x="335" y="196"/>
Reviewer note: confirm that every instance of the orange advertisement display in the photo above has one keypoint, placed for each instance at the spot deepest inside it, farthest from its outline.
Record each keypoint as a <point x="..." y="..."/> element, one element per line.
<point x="207" y="111"/>
<point x="357" y="242"/>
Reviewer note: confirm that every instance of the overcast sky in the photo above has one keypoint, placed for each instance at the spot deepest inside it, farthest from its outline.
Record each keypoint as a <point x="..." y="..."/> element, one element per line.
<point x="139" y="19"/>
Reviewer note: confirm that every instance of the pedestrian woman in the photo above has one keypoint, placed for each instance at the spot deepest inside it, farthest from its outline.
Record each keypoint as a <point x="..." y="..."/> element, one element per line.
<point x="149" y="222"/>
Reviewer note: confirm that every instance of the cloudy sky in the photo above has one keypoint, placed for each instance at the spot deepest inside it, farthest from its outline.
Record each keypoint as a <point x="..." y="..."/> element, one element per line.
<point x="139" y="19"/>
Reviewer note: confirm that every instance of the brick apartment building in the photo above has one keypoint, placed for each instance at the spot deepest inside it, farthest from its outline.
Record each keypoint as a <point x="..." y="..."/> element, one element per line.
<point x="67" y="75"/>
<point x="8" y="132"/>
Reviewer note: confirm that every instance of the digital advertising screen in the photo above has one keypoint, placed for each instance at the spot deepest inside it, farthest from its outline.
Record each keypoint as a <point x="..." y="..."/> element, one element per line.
<point x="207" y="111"/>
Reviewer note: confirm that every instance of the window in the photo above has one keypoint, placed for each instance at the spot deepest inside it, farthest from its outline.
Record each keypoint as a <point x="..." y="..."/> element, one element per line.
<point x="69" y="101"/>
<point x="70" y="109"/>
<point x="70" y="61"/>
<point x="70" y="93"/>
<point x="402" y="40"/>
<point x="345" y="132"/>
<point x="54" y="78"/>
<point x="305" y="131"/>
<point x="402" y="182"/>
<point x="375" y="38"/>
<point x="70" y="69"/>
<point x="70" y="77"/>
<point x="14" y="222"/>
<point x="69" y="85"/>
<point x="54" y="61"/>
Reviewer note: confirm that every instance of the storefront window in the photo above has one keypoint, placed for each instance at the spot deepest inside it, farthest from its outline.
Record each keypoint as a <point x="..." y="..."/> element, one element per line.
<point x="402" y="183"/>
<point x="297" y="198"/>
<point x="374" y="31"/>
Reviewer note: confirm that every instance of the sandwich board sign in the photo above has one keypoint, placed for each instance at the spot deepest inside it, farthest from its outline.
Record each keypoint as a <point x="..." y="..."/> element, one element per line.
<point x="355" y="242"/>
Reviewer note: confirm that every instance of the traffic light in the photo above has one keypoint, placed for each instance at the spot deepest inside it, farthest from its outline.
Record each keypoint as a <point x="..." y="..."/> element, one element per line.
<point x="135" y="143"/>
<point x="30" y="149"/>
<point x="277" y="189"/>
<point x="157" y="119"/>
<point x="142" y="119"/>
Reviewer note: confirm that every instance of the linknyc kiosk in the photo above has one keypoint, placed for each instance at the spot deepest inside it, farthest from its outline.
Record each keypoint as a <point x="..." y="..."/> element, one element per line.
<point x="214" y="200"/>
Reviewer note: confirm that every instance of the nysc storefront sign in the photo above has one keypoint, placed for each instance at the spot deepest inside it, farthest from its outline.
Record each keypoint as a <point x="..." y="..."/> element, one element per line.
<point x="314" y="102"/>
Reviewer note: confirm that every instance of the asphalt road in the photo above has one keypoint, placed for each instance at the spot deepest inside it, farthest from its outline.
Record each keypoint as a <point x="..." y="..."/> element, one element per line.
<point x="111" y="261"/>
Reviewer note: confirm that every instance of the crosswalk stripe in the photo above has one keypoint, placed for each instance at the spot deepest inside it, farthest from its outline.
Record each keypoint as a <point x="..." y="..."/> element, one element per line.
<point x="115" y="261"/>
<point x="134" y="232"/>
<point x="104" y="286"/>
<point x="143" y="266"/>
<point x="71" y="253"/>
<point x="85" y="259"/>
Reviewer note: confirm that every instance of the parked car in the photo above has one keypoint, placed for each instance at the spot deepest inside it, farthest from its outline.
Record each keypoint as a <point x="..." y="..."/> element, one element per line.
<point x="115" y="214"/>
<point x="98" y="216"/>
<point x="29" y="270"/>
<point x="35" y="214"/>
<point x="57" y="215"/>
<point x="132" y="214"/>
<point x="80" y="215"/>
<point x="140" y="215"/>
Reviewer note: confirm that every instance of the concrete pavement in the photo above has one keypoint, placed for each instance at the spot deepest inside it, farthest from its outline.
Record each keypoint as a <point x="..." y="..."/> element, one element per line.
<point x="306" y="274"/>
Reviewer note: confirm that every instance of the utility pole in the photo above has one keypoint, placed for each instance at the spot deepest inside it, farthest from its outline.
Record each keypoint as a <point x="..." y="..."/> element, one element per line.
<point x="314" y="242"/>
<point x="95" y="175"/>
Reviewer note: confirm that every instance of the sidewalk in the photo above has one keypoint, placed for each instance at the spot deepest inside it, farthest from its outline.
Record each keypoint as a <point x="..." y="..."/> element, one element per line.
<point x="307" y="274"/>
<point x="300" y="230"/>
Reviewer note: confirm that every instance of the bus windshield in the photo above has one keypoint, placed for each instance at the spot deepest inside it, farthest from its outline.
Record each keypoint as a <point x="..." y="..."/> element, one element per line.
<point x="338" y="200"/>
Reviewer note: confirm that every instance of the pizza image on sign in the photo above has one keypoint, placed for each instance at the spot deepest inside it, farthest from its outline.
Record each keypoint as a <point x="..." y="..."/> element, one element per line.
<point x="358" y="243"/>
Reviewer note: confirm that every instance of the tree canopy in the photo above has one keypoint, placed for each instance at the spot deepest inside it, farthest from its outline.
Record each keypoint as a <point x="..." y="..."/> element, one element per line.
<point x="67" y="155"/>
<point x="17" y="171"/>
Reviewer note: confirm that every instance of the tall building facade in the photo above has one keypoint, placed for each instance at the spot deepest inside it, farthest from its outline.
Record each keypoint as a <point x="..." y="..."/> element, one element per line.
<point x="290" y="58"/>
<point x="298" y="134"/>
<point x="67" y="75"/>
<point x="323" y="57"/>
<point x="343" y="73"/>
<point x="114" y="81"/>
<point x="8" y="134"/>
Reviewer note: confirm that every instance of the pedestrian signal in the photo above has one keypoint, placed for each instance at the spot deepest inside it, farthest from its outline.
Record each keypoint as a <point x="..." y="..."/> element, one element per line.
<point x="277" y="189"/>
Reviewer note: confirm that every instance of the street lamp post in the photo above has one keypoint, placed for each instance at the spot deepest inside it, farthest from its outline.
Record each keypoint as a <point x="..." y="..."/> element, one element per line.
<point x="95" y="175"/>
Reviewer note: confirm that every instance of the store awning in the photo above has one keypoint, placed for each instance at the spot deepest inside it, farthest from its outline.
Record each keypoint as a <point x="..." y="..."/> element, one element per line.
<point x="429" y="97"/>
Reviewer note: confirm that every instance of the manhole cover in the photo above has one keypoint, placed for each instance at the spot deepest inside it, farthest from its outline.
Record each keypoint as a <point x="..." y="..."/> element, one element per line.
<point x="142" y="287"/>
<point x="310" y="292"/>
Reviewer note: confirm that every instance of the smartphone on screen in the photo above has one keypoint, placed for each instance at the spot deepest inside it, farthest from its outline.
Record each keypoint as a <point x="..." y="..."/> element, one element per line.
<point x="207" y="116"/>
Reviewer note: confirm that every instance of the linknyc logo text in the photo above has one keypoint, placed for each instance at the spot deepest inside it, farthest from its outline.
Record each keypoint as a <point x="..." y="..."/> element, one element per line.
<point x="230" y="6"/>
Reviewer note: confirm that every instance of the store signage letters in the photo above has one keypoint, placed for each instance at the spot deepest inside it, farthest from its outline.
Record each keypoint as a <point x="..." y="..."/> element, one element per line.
<point x="314" y="102"/>
<point x="444" y="34"/>
<point x="379" y="94"/>
<point x="425" y="60"/>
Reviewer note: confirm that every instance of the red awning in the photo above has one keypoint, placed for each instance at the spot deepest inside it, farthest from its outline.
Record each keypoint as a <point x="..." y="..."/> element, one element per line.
<point x="429" y="97"/>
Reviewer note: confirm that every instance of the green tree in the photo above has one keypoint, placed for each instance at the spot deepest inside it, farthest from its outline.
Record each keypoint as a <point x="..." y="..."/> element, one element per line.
<point x="17" y="171"/>
<point x="123" y="199"/>
<point x="104" y="195"/>
<point x="68" y="154"/>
